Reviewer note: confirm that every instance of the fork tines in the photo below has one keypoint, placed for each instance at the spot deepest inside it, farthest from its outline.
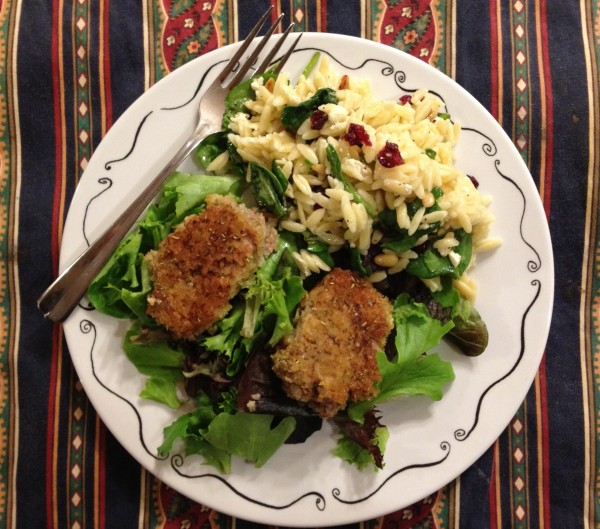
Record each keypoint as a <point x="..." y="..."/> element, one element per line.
<point x="247" y="64"/>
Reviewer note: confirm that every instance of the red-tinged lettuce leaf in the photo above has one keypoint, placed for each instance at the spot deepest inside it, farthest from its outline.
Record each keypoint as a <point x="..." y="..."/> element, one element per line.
<point x="362" y="444"/>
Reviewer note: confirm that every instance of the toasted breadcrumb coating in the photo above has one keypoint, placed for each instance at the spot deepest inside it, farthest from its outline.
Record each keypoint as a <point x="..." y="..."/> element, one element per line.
<point x="329" y="359"/>
<point x="199" y="267"/>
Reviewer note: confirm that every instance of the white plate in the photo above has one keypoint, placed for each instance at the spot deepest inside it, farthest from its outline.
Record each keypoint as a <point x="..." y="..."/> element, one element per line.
<point x="430" y="443"/>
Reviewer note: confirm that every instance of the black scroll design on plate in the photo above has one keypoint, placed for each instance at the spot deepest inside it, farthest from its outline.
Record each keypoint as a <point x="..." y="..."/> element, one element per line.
<point x="489" y="147"/>
<point x="444" y="446"/>
<point x="108" y="165"/>
<point x="198" y="87"/>
<point x="532" y="265"/>
<point x="105" y="181"/>
<point x="177" y="461"/>
<point x="87" y="327"/>
<point x="461" y="434"/>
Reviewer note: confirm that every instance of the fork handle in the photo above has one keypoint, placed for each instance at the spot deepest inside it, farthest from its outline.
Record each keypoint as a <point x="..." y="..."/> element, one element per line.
<point x="61" y="297"/>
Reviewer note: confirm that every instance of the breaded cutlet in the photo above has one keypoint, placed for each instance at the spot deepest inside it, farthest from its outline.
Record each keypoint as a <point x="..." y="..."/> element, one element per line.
<point x="330" y="357"/>
<point x="199" y="267"/>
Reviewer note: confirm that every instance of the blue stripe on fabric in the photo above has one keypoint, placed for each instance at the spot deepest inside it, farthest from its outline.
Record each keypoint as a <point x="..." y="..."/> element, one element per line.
<point x="563" y="366"/>
<point x="342" y="17"/>
<point x="473" y="52"/>
<point x="36" y="120"/>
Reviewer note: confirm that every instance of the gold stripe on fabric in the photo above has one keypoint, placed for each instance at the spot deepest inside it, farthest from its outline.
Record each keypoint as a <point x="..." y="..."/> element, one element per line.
<point x="451" y="39"/>
<point x="497" y="486"/>
<point x="455" y="511"/>
<point x="98" y="432"/>
<point x="319" y="22"/>
<point x="101" y="63"/>
<point x="540" y="448"/>
<point x="59" y="330"/>
<point x="543" y="95"/>
<point x="365" y="19"/>
<point x="233" y="20"/>
<point x="149" y="44"/>
<point x="145" y="501"/>
<point x="63" y="127"/>
<point x="9" y="46"/>
<point x="500" y="68"/>
<point x="587" y="274"/>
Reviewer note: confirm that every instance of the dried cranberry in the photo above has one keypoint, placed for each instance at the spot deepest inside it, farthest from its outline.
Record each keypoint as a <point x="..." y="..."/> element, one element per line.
<point x="474" y="181"/>
<point x="357" y="135"/>
<point x="390" y="155"/>
<point x="318" y="119"/>
<point x="405" y="100"/>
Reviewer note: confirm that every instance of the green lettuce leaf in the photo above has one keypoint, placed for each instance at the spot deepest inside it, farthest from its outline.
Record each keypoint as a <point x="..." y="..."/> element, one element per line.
<point x="121" y="287"/>
<point x="412" y="371"/>
<point x="249" y="436"/>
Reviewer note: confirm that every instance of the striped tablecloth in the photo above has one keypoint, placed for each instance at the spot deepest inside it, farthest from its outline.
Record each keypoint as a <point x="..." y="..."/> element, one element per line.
<point x="69" y="69"/>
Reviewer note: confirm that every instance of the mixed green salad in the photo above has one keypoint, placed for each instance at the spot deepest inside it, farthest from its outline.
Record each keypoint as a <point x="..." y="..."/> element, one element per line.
<point x="228" y="363"/>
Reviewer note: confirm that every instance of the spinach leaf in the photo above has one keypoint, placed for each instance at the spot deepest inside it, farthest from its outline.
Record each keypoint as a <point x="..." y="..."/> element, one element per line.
<point x="431" y="264"/>
<point x="336" y="171"/>
<point x="211" y="146"/>
<point x="293" y="116"/>
<point x="239" y="95"/>
<point x="267" y="189"/>
<point x="398" y="240"/>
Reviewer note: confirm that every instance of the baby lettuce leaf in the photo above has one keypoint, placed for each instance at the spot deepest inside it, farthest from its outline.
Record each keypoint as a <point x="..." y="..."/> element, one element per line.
<point x="248" y="435"/>
<point x="219" y="435"/>
<point x="190" y="430"/>
<point x="152" y="355"/>
<point x="121" y="287"/>
<point x="293" y="116"/>
<point x="470" y="333"/>
<point x="411" y="371"/>
<point x="362" y="444"/>
<point x="264" y="316"/>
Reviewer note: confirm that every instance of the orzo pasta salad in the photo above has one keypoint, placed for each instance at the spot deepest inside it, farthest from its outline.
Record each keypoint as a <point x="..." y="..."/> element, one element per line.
<point x="306" y="273"/>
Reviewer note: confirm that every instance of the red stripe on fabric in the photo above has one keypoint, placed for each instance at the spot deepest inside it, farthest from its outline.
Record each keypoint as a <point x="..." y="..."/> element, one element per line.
<point x="493" y="60"/>
<point x="492" y="497"/>
<point x="101" y="477"/>
<point x="545" y="444"/>
<point x="58" y="146"/>
<point x="323" y="16"/>
<point x="276" y="10"/>
<point x="55" y="229"/>
<point x="549" y="109"/>
<point x="50" y="445"/>
<point x="107" y="120"/>
<point x="107" y="78"/>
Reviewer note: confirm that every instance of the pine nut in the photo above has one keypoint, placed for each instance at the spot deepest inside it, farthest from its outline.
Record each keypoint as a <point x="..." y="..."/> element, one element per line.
<point x="386" y="260"/>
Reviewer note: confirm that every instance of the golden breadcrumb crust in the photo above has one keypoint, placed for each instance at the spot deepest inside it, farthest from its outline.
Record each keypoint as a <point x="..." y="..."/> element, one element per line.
<point x="329" y="359"/>
<point x="199" y="267"/>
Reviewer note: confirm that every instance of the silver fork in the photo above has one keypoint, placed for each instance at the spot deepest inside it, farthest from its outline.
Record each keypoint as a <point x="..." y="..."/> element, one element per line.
<point x="61" y="297"/>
